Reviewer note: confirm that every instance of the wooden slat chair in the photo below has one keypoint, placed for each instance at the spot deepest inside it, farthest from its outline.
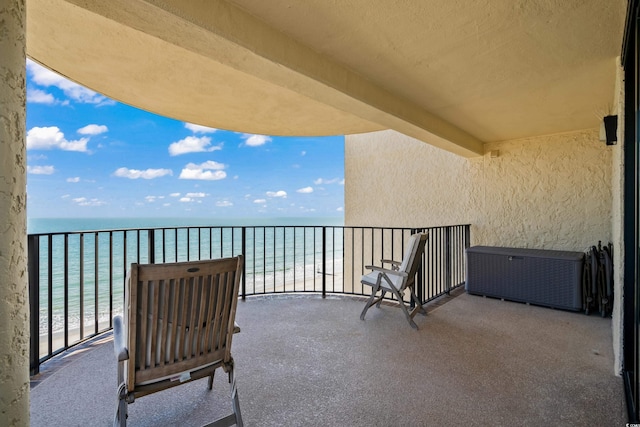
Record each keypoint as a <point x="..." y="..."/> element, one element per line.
<point x="398" y="278"/>
<point x="179" y="320"/>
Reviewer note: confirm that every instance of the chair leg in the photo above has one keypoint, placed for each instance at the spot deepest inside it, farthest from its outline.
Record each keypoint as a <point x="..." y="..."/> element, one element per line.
<point x="405" y="311"/>
<point x="236" y="417"/>
<point x="381" y="298"/>
<point x="371" y="301"/>
<point x="120" y="420"/>
<point x="235" y="402"/>
<point x="418" y="308"/>
<point x="211" y="379"/>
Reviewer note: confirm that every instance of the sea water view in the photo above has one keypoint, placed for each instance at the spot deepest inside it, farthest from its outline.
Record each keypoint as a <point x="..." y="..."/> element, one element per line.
<point x="83" y="261"/>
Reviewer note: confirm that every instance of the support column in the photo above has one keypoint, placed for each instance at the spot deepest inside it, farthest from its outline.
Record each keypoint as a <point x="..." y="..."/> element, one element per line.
<point x="14" y="307"/>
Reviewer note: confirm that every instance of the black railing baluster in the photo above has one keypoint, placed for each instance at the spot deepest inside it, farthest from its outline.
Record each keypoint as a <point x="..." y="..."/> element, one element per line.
<point x="244" y="265"/>
<point x="151" y="239"/>
<point x="188" y="244"/>
<point x="96" y="286"/>
<point x="81" y="284"/>
<point x="447" y="259"/>
<point x="324" y="262"/>
<point x="110" y="280"/>
<point x="33" y="268"/>
<point x="50" y="293"/>
<point x="66" y="289"/>
<point x="175" y="244"/>
<point x="138" y="246"/>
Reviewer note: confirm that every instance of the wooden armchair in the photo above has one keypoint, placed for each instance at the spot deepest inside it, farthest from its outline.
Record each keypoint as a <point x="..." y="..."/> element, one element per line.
<point x="179" y="320"/>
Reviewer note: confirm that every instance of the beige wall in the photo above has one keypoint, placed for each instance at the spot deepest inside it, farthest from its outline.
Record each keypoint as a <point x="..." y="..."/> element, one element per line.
<point x="551" y="192"/>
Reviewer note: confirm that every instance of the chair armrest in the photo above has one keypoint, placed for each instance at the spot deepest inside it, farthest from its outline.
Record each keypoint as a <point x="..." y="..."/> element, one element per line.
<point x="119" y="339"/>
<point x="387" y="271"/>
<point x="394" y="264"/>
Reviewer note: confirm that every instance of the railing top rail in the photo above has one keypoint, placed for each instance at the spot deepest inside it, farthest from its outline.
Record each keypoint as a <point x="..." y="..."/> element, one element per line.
<point x="192" y="227"/>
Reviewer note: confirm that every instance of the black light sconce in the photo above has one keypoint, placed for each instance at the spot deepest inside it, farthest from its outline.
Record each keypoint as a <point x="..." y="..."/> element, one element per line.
<point x="611" y="129"/>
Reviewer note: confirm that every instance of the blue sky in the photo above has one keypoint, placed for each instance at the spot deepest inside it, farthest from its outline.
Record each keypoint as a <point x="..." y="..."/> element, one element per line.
<point x="89" y="156"/>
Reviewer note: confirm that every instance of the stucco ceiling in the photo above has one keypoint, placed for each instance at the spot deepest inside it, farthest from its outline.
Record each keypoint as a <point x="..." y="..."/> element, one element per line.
<point x="452" y="73"/>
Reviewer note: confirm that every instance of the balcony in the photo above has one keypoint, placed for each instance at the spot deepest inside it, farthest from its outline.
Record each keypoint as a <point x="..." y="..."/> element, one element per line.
<point x="304" y="360"/>
<point x="303" y="356"/>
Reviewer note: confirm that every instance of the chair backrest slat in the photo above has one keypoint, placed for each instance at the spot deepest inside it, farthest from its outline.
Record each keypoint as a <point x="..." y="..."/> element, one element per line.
<point x="181" y="316"/>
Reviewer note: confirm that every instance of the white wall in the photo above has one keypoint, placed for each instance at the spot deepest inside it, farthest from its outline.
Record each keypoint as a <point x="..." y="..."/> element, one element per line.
<point x="551" y="192"/>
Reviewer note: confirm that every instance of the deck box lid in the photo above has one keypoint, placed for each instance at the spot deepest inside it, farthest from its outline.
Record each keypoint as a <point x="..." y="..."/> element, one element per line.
<point x="526" y="252"/>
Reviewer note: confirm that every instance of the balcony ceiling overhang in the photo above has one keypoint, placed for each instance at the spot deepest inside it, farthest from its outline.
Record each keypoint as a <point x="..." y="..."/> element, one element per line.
<point x="454" y="73"/>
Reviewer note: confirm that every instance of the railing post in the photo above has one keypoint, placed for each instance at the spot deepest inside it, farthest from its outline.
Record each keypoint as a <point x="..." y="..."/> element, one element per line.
<point x="324" y="262"/>
<point x="467" y="236"/>
<point x="151" y="235"/>
<point x="33" y="249"/>
<point x="244" y="264"/>
<point x="420" y="279"/>
<point x="447" y="240"/>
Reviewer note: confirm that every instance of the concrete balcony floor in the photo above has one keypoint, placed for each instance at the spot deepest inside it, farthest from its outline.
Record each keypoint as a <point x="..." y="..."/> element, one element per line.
<point x="305" y="361"/>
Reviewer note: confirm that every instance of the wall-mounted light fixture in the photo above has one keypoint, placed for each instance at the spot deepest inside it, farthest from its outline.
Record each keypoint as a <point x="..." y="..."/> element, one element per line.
<point x="609" y="130"/>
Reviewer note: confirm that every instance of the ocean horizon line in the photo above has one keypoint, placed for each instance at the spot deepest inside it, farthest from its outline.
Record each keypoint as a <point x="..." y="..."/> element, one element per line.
<point x="45" y="225"/>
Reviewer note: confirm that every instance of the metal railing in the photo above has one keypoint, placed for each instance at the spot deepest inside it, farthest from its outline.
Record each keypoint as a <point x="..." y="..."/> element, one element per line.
<point x="77" y="279"/>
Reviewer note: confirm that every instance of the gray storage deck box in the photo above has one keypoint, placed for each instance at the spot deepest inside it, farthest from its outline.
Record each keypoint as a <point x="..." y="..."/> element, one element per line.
<point x="542" y="277"/>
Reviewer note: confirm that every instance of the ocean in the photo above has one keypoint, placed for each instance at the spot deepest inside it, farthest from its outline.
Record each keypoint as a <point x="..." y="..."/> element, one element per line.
<point x="88" y="264"/>
<point x="56" y="225"/>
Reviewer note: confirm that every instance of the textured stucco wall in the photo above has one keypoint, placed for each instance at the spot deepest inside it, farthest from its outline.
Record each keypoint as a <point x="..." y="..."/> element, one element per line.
<point x="551" y="192"/>
<point x="14" y="310"/>
<point x="395" y="180"/>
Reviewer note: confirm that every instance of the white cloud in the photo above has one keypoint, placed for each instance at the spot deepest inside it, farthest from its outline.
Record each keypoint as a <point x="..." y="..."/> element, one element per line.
<point x="174" y="195"/>
<point x="321" y="181"/>
<point x="279" y="193"/>
<point x="199" y="129"/>
<point x="66" y="196"/>
<point x="305" y="190"/>
<point x="224" y="204"/>
<point x="255" y="140"/>
<point x="48" y="138"/>
<point x="93" y="129"/>
<point x="150" y="199"/>
<point x="41" y="170"/>
<point x="260" y="201"/>
<point x="38" y="96"/>
<point x="208" y="171"/>
<point x="44" y="77"/>
<point x="83" y="201"/>
<point x="145" y="174"/>
<point x="74" y="179"/>
<point x="303" y="153"/>
<point x="195" y="195"/>
<point x="192" y="144"/>
<point x="340" y="209"/>
<point x="190" y="200"/>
